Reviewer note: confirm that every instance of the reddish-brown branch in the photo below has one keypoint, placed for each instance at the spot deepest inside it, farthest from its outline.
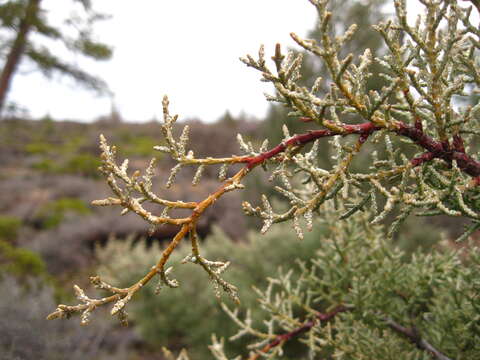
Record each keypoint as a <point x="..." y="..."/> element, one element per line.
<point x="364" y="129"/>
<point x="422" y="158"/>
<point x="414" y="336"/>
<point x="458" y="143"/>
<point x="434" y="148"/>
<point x="442" y="150"/>
<point x="305" y="119"/>
<point x="411" y="334"/>
<point x="280" y="339"/>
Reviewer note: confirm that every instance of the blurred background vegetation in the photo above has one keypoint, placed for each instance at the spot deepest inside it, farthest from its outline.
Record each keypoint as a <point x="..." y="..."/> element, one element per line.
<point x="51" y="237"/>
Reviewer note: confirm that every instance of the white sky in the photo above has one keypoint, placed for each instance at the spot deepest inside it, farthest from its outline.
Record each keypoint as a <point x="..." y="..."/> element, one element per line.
<point x="187" y="49"/>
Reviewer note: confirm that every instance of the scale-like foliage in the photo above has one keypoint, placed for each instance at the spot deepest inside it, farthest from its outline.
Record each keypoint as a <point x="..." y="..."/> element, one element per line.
<point x="428" y="68"/>
<point x="357" y="298"/>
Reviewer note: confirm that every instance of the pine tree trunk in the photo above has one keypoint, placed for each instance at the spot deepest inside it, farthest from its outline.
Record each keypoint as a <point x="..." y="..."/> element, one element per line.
<point x="16" y="52"/>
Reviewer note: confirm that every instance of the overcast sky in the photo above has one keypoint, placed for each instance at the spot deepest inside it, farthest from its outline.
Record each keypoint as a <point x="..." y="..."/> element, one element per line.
<point x="188" y="49"/>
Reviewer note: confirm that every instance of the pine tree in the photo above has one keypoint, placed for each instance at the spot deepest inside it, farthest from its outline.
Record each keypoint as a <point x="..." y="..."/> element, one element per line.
<point x="21" y="19"/>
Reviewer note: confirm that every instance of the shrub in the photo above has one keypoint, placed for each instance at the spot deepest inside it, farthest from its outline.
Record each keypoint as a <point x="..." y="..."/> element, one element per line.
<point x="39" y="148"/>
<point x="83" y="164"/>
<point x="425" y="68"/>
<point x="20" y="262"/>
<point x="139" y="146"/>
<point x="53" y="213"/>
<point x="253" y="261"/>
<point x="9" y="227"/>
<point x="358" y="298"/>
<point x="45" y="166"/>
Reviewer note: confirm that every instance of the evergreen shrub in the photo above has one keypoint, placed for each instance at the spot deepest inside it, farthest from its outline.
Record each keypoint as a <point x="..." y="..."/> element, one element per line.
<point x="254" y="259"/>
<point x="20" y="262"/>
<point x="356" y="298"/>
<point x="53" y="213"/>
<point x="9" y="226"/>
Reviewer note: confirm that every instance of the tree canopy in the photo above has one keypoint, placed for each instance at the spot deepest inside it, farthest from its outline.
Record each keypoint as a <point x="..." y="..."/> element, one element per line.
<point x="29" y="38"/>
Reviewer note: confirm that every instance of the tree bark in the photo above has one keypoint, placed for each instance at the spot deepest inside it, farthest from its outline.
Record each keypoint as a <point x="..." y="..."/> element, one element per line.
<point x="17" y="50"/>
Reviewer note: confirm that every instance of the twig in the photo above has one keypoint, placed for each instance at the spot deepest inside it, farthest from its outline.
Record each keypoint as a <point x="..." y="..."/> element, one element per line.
<point x="414" y="336"/>
<point x="435" y="149"/>
<point x="281" y="339"/>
